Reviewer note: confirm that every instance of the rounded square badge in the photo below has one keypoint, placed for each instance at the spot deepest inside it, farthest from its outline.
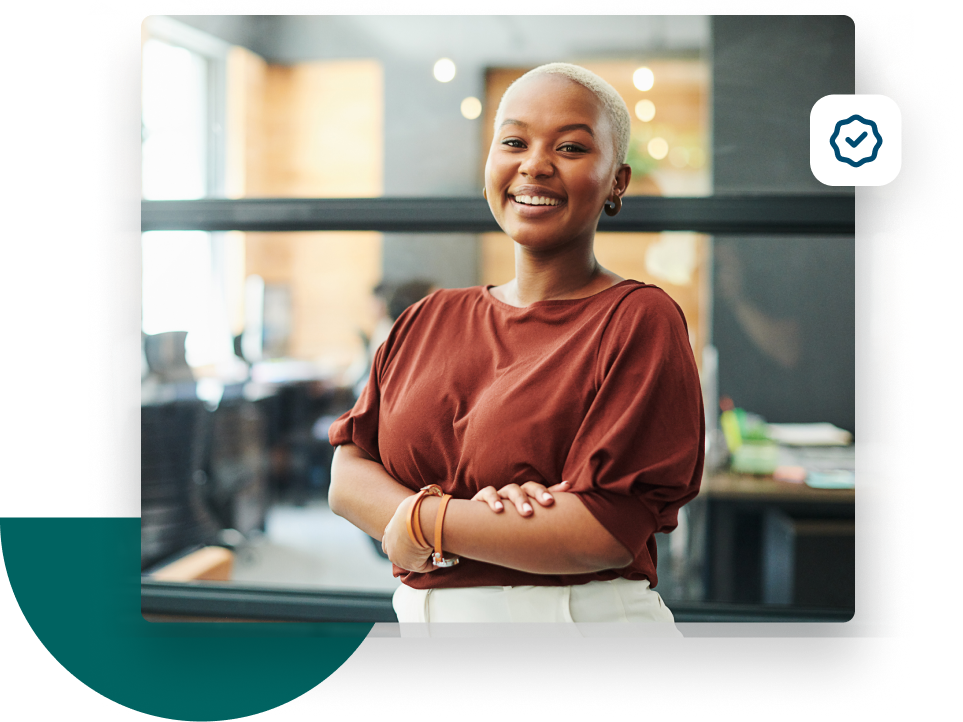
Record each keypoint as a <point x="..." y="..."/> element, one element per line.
<point x="854" y="140"/>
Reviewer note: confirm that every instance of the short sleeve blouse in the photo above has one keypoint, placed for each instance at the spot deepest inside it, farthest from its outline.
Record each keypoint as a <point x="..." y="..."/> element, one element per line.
<point x="603" y="391"/>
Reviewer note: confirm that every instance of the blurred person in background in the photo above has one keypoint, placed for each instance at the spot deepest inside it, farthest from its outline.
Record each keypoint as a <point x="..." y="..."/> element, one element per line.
<point x="408" y="294"/>
<point x="388" y="302"/>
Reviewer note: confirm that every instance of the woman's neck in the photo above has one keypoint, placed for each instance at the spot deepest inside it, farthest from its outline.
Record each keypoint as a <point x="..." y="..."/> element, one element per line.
<point x="567" y="274"/>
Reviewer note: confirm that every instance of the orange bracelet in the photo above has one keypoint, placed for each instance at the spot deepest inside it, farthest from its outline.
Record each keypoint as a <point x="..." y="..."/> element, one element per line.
<point x="414" y="519"/>
<point x="438" y="558"/>
<point x="414" y="524"/>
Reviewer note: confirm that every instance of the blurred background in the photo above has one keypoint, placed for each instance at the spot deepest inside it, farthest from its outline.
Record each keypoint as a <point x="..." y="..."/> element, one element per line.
<point x="253" y="342"/>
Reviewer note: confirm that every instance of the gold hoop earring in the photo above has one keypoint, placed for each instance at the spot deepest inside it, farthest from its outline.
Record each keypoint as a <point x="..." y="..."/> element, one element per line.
<point x="485" y="193"/>
<point x="613" y="210"/>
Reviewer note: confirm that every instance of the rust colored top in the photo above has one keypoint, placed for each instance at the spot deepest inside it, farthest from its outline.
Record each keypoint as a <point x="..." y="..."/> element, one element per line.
<point x="469" y="392"/>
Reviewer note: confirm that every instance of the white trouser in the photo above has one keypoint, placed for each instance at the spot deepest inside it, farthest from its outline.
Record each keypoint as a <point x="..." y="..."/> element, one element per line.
<point x="617" y="600"/>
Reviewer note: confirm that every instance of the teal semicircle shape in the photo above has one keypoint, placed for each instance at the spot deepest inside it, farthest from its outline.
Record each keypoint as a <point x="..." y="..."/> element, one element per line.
<point x="77" y="582"/>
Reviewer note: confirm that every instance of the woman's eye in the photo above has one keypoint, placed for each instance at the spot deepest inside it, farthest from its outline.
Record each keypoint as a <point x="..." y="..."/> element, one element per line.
<point x="513" y="142"/>
<point x="571" y="148"/>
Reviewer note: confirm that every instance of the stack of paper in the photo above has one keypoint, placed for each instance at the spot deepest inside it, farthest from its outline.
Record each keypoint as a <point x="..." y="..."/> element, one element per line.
<point x="836" y="479"/>
<point x="819" y="454"/>
<point x="809" y="434"/>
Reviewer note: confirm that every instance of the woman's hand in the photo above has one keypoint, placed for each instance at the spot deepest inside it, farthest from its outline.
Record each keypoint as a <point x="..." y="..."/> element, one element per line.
<point x="399" y="547"/>
<point x="519" y="496"/>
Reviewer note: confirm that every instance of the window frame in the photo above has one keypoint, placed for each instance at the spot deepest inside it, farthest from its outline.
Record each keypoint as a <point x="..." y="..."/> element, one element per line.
<point x="771" y="214"/>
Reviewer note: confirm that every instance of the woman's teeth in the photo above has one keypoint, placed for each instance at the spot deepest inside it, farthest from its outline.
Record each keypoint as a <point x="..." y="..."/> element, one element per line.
<point x="537" y="201"/>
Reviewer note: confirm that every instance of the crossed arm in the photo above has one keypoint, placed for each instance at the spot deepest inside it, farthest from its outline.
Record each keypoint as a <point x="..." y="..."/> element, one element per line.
<point x="558" y="536"/>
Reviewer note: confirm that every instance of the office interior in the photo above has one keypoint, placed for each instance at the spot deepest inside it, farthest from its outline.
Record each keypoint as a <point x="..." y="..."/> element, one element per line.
<point x="255" y="337"/>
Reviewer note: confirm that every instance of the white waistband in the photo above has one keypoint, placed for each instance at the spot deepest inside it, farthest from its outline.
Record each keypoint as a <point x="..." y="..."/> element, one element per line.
<point x="617" y="600"/>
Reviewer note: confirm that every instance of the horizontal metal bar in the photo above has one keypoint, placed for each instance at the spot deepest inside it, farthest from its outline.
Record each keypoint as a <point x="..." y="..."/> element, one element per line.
<point x="231" y="601"/>
<point x="768" y="214"/>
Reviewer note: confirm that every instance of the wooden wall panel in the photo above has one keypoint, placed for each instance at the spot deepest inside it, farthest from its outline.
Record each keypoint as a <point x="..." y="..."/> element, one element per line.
<point x="244" y="118"/>
<point x="497" y="259"/>
<point x="323" y="130"/>
<point x="331" y="281"/>
<point x="311" y="130"/>
<point x="270" y="256"/>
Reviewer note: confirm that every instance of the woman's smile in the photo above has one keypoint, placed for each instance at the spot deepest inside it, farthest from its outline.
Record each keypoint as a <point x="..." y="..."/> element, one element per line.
<point x="534" y="201"/>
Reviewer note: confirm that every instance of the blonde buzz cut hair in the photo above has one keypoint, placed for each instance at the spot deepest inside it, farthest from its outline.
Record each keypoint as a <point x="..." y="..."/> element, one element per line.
<point x="611" y="101"/>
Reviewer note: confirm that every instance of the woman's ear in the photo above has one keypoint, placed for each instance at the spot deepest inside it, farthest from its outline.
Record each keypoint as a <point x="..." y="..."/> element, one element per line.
<point x="622" y="177"/>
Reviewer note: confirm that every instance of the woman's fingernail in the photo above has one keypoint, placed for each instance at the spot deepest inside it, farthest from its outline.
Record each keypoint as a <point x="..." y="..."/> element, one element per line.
<point x="498" y="506"/>
<point x="546" y="496"/>
<point x="527" y="508"/>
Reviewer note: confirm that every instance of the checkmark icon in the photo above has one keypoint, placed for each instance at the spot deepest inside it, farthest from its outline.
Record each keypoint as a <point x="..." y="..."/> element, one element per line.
<point x="833" y="120"/>
<point x="867" y="144"/>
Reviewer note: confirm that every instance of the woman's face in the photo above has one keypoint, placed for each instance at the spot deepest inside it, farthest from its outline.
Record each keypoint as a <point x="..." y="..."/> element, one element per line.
<point x="552" y="164"/>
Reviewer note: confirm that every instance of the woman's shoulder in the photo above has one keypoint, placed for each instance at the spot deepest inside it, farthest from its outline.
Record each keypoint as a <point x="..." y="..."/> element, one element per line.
<point x="645" y="297"/>
<point x="639" y="299"/>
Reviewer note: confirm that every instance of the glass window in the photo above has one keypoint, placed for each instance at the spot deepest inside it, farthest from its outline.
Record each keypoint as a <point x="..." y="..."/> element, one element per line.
<point x="189" y="278"/>
<point x="175" y="122"/>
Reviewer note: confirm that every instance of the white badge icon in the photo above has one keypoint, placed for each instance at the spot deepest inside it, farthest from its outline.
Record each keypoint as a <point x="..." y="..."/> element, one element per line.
<point x="854" y="140"/>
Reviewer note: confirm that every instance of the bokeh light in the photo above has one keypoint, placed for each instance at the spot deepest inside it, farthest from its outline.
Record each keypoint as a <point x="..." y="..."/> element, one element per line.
<point x="679" y="156"/>
<point x="645" y="110"/>
<point x="643" y="78"/>
<point x="471" y="108"/>
<point x="444" y="70"/>
<point x="658" y="148"/>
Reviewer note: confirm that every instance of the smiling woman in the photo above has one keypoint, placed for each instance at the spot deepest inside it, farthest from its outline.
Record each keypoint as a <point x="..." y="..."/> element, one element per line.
<point x="562" y="144"/>
<point x="553" y="424"/>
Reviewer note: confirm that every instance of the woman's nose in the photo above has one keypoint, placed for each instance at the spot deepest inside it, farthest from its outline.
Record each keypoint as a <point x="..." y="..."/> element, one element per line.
<point x="536" y="163"/>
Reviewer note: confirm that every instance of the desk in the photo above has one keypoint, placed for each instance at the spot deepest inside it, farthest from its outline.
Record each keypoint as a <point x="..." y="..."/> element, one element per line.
<point x="735" y="508"/>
